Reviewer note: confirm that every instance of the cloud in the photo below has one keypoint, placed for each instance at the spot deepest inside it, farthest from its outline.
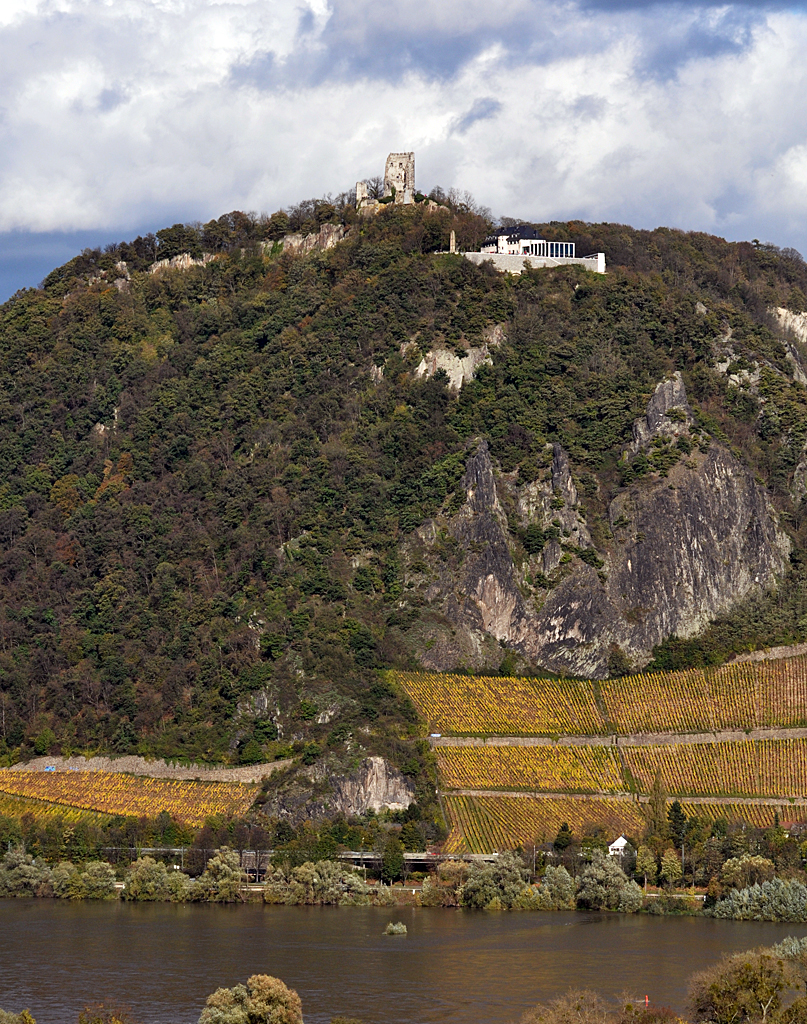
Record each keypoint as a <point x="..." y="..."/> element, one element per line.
<point x="483" y="109"/>
<point x="153" y="111"/>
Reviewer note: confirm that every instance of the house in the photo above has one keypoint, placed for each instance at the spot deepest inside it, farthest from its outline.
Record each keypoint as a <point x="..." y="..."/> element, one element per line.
<point x="618" y="847"/>
<point x="523" y="240"/>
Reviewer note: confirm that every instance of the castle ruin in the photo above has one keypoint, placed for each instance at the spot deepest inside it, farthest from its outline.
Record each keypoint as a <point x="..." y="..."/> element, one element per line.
<point x="399" y="183"/>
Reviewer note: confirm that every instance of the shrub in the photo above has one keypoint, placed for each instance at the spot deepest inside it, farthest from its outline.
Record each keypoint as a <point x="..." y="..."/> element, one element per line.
<point x="24" y="1017"/>
<point x="22" y="875"/>
<point x="95" y="882"/>
<point x="556" y="891"/>
<point x="399" y="928"/>
<point x="323" y="882"/>
<point x="149" y="880"/>
<point x="776" y="900"/>
<point x="497" y="885"/>
<point x="603" y="885"/>
<point x="263" y="1000"/>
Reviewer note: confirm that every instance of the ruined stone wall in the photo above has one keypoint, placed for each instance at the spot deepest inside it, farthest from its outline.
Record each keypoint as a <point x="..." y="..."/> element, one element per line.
<point x="399" y="176"/>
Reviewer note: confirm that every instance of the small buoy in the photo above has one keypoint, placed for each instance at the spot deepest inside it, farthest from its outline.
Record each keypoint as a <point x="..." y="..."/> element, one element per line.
<point x="646" y="1001"/>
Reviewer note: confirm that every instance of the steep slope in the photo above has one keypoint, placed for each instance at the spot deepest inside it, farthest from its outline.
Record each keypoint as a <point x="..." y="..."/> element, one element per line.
<point x="683" y="549"/>
<point x="234" y="489"/>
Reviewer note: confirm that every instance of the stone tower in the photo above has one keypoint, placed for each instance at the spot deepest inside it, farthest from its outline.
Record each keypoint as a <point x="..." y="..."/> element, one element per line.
<point x="399" y="174"/>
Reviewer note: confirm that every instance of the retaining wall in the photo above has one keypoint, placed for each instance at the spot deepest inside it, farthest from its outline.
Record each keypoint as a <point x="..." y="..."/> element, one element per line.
<point x="513" y="264"/>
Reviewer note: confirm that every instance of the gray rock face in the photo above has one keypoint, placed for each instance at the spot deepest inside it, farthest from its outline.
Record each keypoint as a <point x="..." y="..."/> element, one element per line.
<point x="375" y="786"/>
<point x="319" y="792"/>
<point x="684" y="549"/>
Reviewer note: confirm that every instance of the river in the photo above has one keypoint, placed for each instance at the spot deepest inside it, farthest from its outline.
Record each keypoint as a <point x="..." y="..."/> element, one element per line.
<point x="162" y="960"/>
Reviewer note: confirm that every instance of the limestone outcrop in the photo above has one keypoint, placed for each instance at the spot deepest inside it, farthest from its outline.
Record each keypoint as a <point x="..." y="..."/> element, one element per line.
<point x="326" y="238"/>
<point x="461" y="369"/>
<point x="376" y="786"/>
<point x="518" y="564"/>
<point x="319" y="792"/>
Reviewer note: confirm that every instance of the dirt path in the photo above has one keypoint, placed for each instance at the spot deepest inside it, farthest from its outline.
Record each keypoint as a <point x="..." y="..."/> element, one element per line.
<point x="642" y="739"/>
<point x="154" y="769"/>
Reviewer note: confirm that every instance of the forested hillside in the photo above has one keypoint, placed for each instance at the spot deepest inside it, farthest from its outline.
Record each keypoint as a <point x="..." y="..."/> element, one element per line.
<point x="212" y="477"/>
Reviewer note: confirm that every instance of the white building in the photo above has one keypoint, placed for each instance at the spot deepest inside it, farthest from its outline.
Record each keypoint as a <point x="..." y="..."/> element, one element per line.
<point x="523" y="240"/>
<point x="618" y="847"/>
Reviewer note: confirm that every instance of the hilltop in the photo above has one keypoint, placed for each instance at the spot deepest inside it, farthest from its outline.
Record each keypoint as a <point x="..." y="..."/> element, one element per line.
<point x="307" y="448"/>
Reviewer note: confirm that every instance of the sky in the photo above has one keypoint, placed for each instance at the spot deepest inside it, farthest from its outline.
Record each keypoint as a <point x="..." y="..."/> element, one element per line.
<point x="118" y="117"/>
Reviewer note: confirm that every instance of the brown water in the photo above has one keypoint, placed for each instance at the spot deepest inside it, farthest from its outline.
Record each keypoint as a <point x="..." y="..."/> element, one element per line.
<point x="453" y="966"/>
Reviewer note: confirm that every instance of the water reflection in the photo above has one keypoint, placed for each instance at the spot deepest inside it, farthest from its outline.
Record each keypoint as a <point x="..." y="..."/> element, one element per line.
<point x="162" y="960"/>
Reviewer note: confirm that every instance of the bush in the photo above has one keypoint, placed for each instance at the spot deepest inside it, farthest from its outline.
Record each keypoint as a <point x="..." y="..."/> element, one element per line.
<point x="95" y="882"/>
<point x="745" y="986"/>
<point x="222" y="879"/>
<point x="556" y="891"/>
<point x="22" y="875"/>
<point x="16" y="1018"/>
<point x="263" y="1000"/>
<point x="324" y="882"/>
<point x="776" y="900"/>
<point x="148" y="880"/>
<point x="496" y="886"/>
<point x="603" y="885"/>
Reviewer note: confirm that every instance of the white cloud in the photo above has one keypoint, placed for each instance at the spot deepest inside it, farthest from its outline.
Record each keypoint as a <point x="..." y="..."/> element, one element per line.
<point x="114" y="114"/>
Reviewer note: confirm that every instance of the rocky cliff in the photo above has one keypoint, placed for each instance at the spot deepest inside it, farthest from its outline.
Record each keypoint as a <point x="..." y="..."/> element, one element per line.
<point x="691" y="536"/>
<point x="375" y="785"/>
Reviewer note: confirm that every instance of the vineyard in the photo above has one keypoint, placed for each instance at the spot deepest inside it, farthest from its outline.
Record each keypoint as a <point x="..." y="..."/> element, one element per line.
<point x="748" y="768"/>
<point x="746" y="695"/>
<point x="502" y="705"/>
<point x="481" y="824"/>
<point x="116" y="793"/>
<point x="551" y="769"/>
<point x="42" y="812"/>
<point x="774" y="768"/>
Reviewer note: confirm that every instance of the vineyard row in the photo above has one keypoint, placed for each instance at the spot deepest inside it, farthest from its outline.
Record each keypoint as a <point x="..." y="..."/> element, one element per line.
<point x="759" y="694"/>
<point x="116" y="793"/>
<point x="750" y="768"/>
<point x="487" y="824"/>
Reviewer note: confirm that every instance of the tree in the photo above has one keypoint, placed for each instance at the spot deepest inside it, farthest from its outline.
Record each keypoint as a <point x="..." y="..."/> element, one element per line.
<point x="656" y="810"/>
<point x="564" y="838"/>
<point x="671" y="869"/>
<point x="603" y="885"/>
<point x="742" y="987"/>
<point x="740" y="872"/>
<point x="392" y="859"/>
<point x="263" y="1000"/>
<point x="677" y="822"/>
<point x="646" y="864"/>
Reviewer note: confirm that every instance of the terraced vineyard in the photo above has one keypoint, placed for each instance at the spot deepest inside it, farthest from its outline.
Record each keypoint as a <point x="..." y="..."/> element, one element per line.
<point x="731" y="774"/>
<point x="754" y="694"/>
<point x="553" y="769"/>
<point x="115" y="793"/>
<point x="42" y="812"/>
<point x="481" y="824"/>
<point x="746" y="695"/>
<point x="772" y="768"/>
<point x="462" y="705"/>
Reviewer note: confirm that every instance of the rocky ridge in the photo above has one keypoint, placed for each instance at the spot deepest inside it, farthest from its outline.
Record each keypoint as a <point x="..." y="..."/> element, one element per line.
<point x="517" y="564"/>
